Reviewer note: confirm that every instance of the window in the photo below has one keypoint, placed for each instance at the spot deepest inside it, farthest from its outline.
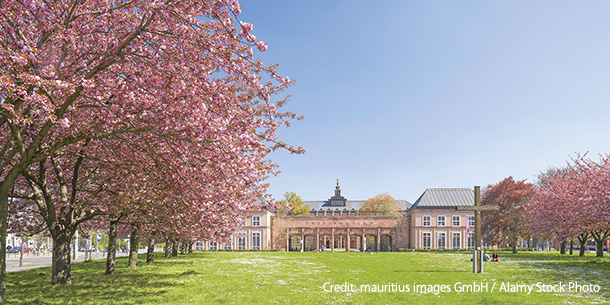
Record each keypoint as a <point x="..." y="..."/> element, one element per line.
<point x="456" y="220"/>
<point x="336" y="202"/>
<point x="256" y="241"/>
<point x="199" y="245"/>
<point x="441" y="241"/>
<point x="213" y="246"/>
<point x="241" y="241"/>
<point x="426" y="240"/>
<point x="471" y="220"/>
<point x="227" y="247"/>
<point x="457" y="240"/>
<point x="440" y="220"/>
<point x="470" y="242"/>
<point x="426" y="220"/>
<point x="256" y="221"/>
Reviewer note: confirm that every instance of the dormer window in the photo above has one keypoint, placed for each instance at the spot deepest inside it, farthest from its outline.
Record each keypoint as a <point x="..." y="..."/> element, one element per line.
<point x="256" y="221"/>
<point x="337" y="200"/>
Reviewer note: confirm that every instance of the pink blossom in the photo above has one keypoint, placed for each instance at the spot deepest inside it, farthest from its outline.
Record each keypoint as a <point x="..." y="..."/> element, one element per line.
<point x="261" y="46"/>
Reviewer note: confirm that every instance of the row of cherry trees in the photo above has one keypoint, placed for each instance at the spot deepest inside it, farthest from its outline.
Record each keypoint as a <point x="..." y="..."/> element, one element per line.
<point x="574" y="202"/>
<point x="567" y="203"/>
<point x="153" y="115"/>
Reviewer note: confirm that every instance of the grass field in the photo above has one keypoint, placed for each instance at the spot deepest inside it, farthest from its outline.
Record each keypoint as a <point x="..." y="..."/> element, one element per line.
<point x="299" y="278"/>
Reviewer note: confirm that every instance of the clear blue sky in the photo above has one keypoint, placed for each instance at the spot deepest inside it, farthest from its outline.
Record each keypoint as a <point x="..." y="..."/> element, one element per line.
<point x="400" y="96"/>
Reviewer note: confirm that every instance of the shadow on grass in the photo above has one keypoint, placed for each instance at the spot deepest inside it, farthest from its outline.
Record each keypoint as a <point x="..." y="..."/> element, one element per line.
<point x="429" y="271"/>
<point x="91" y="286"/>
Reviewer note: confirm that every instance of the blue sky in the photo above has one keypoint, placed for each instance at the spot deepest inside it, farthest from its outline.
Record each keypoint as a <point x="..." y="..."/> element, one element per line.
<point x="400" y="96"/>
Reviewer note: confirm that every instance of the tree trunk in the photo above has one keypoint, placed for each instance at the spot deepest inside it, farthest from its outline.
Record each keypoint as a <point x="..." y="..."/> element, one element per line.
<point x="21" y="252"/>
<point x="168" y="247"/>
<point x="599" y="237"/>
<point x="190" y="248"/>
<point x="183" y="248"/>
<point x="562" y="250"/>
<point x="134" y="244"/>
<point x="150" y="254"/>
<point x="175" y="247"/>
<point x="514" y="248"/>
<point x="3" y="227"/>
<point x="583" y="243"/>
<point x="571" y="246"/>
<point x="111" y="258"/>
<point x="61" y="258"/>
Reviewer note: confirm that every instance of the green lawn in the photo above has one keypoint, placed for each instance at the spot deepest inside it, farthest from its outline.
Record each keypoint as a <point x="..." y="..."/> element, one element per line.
<point x="278" y="278"/>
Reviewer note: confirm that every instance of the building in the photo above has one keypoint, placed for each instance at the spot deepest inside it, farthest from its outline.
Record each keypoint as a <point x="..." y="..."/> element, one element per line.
<point x="255" y="234"/>
<point x="432" y="222"/>
<point x="435" y="223"/>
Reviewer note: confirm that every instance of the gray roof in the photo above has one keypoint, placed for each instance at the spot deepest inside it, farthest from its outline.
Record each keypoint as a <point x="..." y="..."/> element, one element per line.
<point x="445" y="197"/>
<point x="351" y="204"/>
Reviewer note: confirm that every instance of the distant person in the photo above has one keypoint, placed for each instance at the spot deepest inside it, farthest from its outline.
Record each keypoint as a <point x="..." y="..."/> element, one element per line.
<point x="495" y="257"/>
<point x="486" y="256"/>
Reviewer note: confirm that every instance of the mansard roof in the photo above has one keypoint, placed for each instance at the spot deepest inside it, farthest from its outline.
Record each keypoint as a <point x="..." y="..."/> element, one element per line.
<point x="445" y="197"/>
<point x="321" y="205"/>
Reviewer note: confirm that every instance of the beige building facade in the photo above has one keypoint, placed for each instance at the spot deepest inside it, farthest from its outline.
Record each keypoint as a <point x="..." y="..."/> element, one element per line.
<point x="441" y="228"/>
<point x="432" y="222"/>
<point x="255" y="234"/>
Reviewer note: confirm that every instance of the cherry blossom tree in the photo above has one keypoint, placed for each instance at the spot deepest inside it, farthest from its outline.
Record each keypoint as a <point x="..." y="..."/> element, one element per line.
<point x="25" y="224"/>
<point x="170" y="77"/>
<point x="591" y="183"/>
<point x="575" y="202"/>
<point x="507" y="224"/>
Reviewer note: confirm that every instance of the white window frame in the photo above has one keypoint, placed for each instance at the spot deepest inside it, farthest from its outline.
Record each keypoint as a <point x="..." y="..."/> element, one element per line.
<point x="459" y="220"/>
<point x="471" y="221"/>
<point x="241" y="241"/>
<point x="438" y="220"/>
<point x="423" y="240"/>
<point x="256" y="221"/>
<point x="423" y="221"/>
<point x="470" y="242"/>
<point x="438" y="240"/>
<point x="227" y="247"/>
<point x="256" y="240"/>
<point x="213" y="246"/>
<point x="459" y="240"/>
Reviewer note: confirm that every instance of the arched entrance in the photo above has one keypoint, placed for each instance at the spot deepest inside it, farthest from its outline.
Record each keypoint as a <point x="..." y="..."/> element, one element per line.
<point x="371" y="243"/>
<point x="386" y="243"/>
<point x="310" y="243"/>
<point x="294" y="242"/>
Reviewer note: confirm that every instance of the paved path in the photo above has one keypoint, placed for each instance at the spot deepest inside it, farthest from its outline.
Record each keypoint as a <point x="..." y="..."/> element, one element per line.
<point x="33" y="261"/>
